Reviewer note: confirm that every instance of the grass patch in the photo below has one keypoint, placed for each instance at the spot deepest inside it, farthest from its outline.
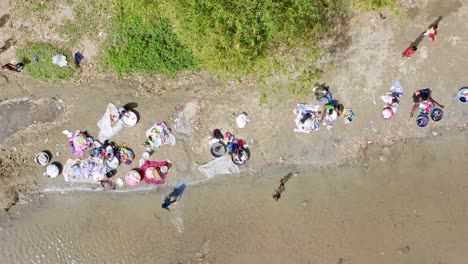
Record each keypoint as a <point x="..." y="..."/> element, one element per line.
<point x="70" y="31"/>
<point x="87" y="21"/>
<point x="41" y="10"/>
<point x="377" y="5"/>
<point x="45" y="70"/>
<point x="238" y="37"/>
<point x="143" y="42"/>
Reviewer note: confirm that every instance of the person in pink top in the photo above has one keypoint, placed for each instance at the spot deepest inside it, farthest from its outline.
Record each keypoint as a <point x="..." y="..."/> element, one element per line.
<point x="410" y="51"/>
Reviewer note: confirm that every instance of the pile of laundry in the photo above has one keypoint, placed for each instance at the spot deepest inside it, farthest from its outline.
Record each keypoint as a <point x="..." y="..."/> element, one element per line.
<point x="79" y="142"/>
<point x="307" y="117"/>
<point x="325" y="111"/>
<point x="391" y="100"/>
<point x="102" y="163"/>
<point x="90" y="170"/>
<point x="159" y="135"/>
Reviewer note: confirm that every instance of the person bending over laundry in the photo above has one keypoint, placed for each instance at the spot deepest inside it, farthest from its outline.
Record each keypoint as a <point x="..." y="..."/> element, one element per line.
<point x="423" y="101"/>
<point x="330" y="114"/>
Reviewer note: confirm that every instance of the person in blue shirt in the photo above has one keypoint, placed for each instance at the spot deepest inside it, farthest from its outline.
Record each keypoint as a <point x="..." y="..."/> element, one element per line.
<point x="179" y="188"/>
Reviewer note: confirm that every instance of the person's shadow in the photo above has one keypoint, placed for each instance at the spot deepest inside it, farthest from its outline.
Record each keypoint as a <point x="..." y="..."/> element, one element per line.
<point x="286" y="179"/>
<point x="421" y="36"/>
<point x="6" y="46"/>
<point x="4" y="19"/>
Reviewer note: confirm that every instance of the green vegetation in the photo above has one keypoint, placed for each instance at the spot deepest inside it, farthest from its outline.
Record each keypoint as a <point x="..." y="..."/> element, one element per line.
<point x="44" y="69"/>
<point x="87" y="20"/>
<point x="375" y="5"/>
<point x="143" y="42"/>
<point x="239" y="37"/>
<point x="233" y="39"/>
<point x="41" y="10"/>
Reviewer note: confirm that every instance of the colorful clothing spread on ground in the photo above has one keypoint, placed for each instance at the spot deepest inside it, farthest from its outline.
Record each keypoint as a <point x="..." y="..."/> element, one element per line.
<point x="159" y="135"/>
<point x="307" y="117"/>
<point x="79" y="142"/>
<point x="90" y="170"/>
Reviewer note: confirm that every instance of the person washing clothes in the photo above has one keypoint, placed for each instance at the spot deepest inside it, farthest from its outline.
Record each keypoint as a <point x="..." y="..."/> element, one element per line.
<point x="424" y="102"/>
<point x="330" y="114"/>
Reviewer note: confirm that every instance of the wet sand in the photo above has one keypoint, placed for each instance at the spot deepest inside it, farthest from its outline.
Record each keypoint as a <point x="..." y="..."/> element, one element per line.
<point x="18" y="114"/>
<point x="409" y="208"/>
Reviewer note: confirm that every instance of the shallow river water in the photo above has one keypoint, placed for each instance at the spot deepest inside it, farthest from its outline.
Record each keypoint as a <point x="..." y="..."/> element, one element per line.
<point x="410" y="208"/>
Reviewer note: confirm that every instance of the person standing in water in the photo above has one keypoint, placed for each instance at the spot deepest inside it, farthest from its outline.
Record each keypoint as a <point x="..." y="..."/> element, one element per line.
<point x="167" y="202"/>
<point x="281" y="188"/>
<point x="175" y="195"/>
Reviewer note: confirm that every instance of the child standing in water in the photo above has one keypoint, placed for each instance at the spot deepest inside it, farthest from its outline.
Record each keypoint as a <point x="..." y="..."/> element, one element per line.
<point x="279" y="190"/>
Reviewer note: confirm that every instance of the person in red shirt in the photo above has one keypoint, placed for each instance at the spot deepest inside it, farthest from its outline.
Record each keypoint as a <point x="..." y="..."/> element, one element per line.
<point x="409" y="51"/>
<point x="431" y="32"/>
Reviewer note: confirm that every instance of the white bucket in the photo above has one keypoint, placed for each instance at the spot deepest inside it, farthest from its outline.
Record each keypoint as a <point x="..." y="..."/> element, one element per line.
<point x="52" y="171"/>
<point x="129" y="119"/>
<point x="42" y="158"/>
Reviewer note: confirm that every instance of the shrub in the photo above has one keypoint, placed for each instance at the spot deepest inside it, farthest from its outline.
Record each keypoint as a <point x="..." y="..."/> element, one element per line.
<point x="143" y="42"/>
<point x="237" y="36"/>
<point x="44" y="69"/>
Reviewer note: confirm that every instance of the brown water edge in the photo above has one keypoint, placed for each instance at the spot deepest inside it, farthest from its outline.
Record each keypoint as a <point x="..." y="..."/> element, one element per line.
<point x="410" y="208"/>
<point x="18" y="114"/>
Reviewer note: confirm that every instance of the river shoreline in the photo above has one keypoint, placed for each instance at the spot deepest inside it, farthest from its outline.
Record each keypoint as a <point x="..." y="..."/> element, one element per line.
<point x="419" y="186"/>
<point x="358" y="74"/>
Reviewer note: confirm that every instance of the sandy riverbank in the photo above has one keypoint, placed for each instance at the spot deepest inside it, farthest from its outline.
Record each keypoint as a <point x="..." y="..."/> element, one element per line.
<point x="358" y="72"/>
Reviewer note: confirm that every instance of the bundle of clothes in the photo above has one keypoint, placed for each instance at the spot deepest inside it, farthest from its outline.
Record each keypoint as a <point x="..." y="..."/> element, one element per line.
<point x="79" y="142"/>
<point x="235" y="147"/>
<point x="91" y="169"/>
<point x="307" y="117"/>
<point x="159" y="135"/>
<point x="391" y="100"/>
